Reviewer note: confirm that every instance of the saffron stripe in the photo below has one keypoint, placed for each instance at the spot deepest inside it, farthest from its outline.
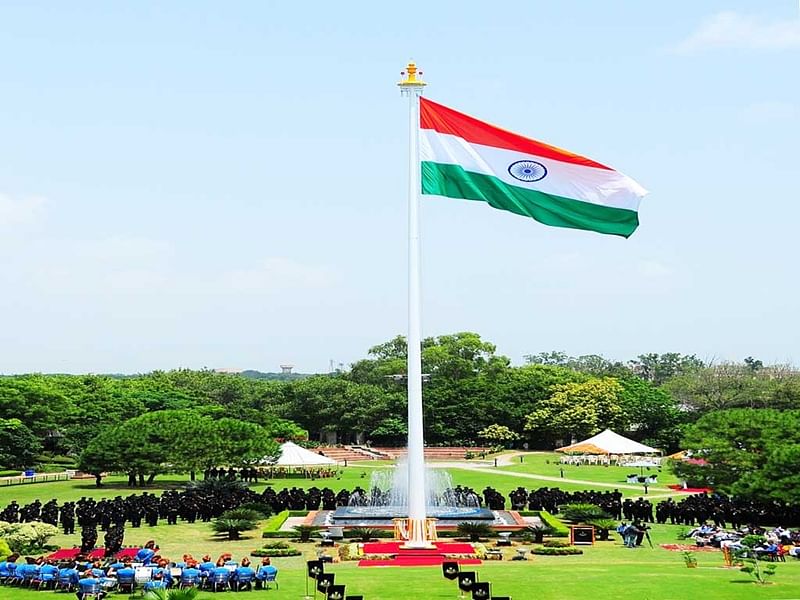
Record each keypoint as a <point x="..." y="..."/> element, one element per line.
<point x="446" y="120"/>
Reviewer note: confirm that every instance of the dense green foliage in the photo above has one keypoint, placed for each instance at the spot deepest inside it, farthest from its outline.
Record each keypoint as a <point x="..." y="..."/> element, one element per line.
<point x="175" y="440"/>
<point x="749" y="452"/>
<point x="187" y="420"/>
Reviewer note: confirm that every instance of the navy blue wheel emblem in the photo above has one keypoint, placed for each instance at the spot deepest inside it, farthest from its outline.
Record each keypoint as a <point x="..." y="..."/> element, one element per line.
<point x="527" y="170"/>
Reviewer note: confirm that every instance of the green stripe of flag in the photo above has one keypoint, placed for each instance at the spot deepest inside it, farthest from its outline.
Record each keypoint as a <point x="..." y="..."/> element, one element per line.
<point x="455" y="182"/>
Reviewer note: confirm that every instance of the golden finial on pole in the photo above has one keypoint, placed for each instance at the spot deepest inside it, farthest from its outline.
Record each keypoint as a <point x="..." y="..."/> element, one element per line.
<point x="411" y="76"/>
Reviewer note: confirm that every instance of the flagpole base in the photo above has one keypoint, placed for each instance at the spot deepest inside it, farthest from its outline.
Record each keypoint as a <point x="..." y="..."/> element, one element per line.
<point x="418" y="533"/>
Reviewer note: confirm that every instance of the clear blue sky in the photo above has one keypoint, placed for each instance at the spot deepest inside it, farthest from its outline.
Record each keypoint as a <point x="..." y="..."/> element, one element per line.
<point x="223" y="184"/>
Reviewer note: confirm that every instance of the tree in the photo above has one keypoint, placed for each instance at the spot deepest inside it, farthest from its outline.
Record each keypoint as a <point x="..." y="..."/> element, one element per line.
<point x="732" y="385"/>
<point x="18" y="445"/>
<point x="577" y="409"/>
<point x="162" y="441"/>
<point x="498" y="434"/>
<point x="749" y="452"/>
<point x="658" y="368"/>
<point x="592" y="364"/>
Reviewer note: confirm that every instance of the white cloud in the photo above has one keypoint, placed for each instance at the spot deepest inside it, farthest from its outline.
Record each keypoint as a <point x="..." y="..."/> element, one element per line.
<point x="20" y="211"/>
<point x="732" y="30"/>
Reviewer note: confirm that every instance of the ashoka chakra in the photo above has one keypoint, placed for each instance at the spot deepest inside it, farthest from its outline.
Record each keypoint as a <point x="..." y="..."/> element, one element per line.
<point x="527" y="170"/>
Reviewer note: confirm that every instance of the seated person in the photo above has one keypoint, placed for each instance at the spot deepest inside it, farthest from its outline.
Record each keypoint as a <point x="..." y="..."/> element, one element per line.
<point x="206" y="565"/>
<point x="146" y="554"/>
<point x="97" y="569"/>
<point x="243" y="575"/>
<point x="69" y="574"/>
<point x="89" y="585"/>
<point x="220" y="571"/>
<point x="265" y="571"/>
<point x="126" y="572"/>
<point x="191" y="573"/>
<point x="48" y="573"/>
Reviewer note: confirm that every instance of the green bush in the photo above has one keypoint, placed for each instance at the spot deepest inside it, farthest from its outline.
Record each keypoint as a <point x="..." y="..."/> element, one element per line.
<point x="277" y="546"/>
<point x="582" y="512"/>
<point x="555" y="544"/>
<point x="363" y="534"/>
<point x="474" y="531"/>
<point x="559" y="529"/>
<point x="279" y="534"/>
<point x="5" y="550"/>
<point x="273" y="552"/>
<point x="304" y="532"/>
<point x="232" y="527"/>
<point x="557" y="551"/>
<point x="244" y="514"/>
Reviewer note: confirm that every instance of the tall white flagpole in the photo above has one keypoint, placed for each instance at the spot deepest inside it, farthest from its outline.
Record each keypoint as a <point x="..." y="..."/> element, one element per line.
<point x="412" y="87"/>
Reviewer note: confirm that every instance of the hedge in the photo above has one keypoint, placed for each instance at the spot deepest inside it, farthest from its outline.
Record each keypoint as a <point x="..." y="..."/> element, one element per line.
<point x="559" y="529"/>
<point x="272" y="529"/>
<point x="557" y="551"/>
<point x="273" y="552"/>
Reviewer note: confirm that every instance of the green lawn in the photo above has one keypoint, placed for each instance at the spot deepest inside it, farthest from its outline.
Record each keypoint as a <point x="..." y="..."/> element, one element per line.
<point x="547" y="463"/>
<point x="607" y="570"/>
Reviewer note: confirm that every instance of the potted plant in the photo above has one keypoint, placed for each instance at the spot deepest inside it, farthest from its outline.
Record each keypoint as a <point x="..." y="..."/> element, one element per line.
<point x="690" y="559"/>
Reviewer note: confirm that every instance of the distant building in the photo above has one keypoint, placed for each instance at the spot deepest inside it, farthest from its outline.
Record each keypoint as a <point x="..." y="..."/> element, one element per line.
<point x="231" y="370"/>
<point x="287" y="369"/>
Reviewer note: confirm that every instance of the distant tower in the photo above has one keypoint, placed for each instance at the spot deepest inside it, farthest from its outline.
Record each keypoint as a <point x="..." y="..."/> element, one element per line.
<point x="287" y="369"/>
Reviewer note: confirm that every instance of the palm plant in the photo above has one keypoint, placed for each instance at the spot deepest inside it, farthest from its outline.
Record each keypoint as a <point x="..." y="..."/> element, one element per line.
<point x="232" y="527"/>
<point x="246" y="514"/>
<point x="538" y="531"/>
<point x="603" y="526"/>
<point x="363" y="534"/>
<point x="581" y="512"/>
<point x="174" y="594"/>
<point x="474" y="531"/>
<point x="305" y="531"/>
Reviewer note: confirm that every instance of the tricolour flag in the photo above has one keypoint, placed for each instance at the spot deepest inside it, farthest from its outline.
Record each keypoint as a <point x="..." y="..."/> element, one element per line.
<point x="463" y="157"/>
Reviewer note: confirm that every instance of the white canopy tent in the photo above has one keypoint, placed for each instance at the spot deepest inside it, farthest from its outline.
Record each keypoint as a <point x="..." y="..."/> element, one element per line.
<point x="611" y="443"/>
<point x="293" y="455"/>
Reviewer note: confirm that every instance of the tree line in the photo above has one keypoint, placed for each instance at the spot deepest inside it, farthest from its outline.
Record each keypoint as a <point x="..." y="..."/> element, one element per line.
<point x="472" y="395"/>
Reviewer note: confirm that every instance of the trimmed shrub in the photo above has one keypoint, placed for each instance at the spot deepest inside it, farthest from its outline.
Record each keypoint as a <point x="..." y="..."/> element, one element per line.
<point x="273" y="552"/>
<point x="275" y="523"/>
<point x="559" y="529"/>
<point x="582" y="512"/>
<point x="556" y="544"/>
<point x="569" y="550"/>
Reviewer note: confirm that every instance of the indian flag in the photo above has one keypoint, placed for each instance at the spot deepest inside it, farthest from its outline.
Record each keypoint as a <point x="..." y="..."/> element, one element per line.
<point x="465" y="158"/>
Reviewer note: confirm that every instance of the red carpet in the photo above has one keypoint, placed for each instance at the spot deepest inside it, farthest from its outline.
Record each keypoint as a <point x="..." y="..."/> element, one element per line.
<point x="679" y="488"/>
<point x="414" y="561"/>
<point x="441" y="548"/>
<point x="395" y="556"/>
<point x="71" y="553"/>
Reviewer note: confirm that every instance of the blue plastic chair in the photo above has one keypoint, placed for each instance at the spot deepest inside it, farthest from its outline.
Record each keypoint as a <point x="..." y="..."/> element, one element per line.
<point x="244" y="580"/>
<point x="66" y="580"/>
<point x="189" y="580"/>
<point x="219" y="579"/>
<point x="48" y="575"/>
<point x="271" y="578"/>
<point x="91" y="590"/>
<point x="126" y="582"/>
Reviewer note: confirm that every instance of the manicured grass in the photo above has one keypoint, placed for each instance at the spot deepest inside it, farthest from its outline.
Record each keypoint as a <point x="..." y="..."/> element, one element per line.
<point x="606" y="570"/>
<point x="547" y="463"/>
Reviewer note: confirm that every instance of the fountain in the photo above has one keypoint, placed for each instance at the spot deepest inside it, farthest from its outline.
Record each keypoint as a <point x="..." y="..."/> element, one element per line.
<point x="387" y="498"/>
